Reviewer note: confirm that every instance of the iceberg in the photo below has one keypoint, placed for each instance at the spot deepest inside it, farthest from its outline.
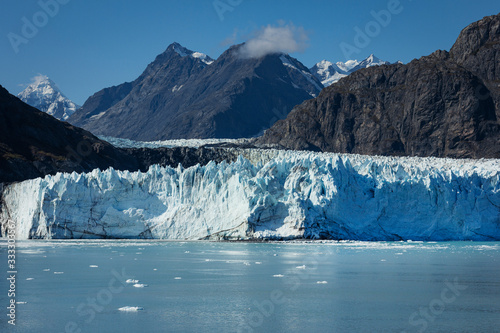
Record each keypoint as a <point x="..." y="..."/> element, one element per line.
<point x="266" y="194"/>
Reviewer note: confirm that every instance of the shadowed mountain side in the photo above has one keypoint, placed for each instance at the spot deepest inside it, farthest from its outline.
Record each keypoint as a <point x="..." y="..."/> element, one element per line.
<point x="444" y="105"/>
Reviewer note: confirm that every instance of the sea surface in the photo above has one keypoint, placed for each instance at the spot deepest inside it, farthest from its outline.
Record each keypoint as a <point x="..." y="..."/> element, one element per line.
<point x="81" y="286"/>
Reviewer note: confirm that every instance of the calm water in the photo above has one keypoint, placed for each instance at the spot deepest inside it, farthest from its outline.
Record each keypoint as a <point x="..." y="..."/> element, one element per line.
<point x="248" y="287"/>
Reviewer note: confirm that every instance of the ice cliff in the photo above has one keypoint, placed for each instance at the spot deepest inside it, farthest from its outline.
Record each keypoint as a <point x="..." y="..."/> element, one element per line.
<point x="267" y="195"/>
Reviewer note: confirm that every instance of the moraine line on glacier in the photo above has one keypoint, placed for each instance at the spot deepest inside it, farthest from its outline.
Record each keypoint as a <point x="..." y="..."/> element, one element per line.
<point x="267" y="194"/>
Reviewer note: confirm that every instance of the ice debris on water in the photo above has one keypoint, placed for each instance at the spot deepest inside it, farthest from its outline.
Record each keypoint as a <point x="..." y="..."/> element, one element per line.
<point x="131" y="308"/>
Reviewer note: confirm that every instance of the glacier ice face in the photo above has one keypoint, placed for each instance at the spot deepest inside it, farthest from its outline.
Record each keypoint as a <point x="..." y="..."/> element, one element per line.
<point x="267" y="194"/>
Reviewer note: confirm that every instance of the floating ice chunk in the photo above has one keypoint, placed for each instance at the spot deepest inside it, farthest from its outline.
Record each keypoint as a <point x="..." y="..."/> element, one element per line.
<point x="301" y="267"/>
<point x="93" y="266"/>
<point x="321" y="282"/>
<point x="177" y="278"/>
<point x="46" y="270"/>
<point x="155" y="269"/>
<point x="383" y="260"/>
<point x="29" y="279"/>
<point x="258" y="263"/>
<point x="132" y="281"/>
<point x="131" y="308"/>
<point x="278" y="275"/>
<point x="21" y="302"/>
<point x="140" y="285"/>
<point x="246" y="263"/>
<point x="58" y="272"/>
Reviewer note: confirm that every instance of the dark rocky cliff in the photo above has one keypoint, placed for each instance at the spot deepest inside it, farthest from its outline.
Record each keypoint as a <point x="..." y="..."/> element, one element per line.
<point x="34" y="144"/>
<point x="444" y="104"/>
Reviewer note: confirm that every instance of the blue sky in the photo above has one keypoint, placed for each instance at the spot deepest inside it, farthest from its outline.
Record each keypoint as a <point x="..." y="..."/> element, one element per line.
<point x="87" y="45"/>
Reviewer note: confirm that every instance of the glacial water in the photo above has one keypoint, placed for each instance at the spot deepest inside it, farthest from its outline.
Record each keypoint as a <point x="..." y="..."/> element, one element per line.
<point x="81" y="286"/>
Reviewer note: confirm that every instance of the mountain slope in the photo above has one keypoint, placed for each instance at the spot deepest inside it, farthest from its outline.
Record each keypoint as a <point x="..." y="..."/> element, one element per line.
<point x="445" y="104"/>
<point x="44" y="95"/>
<point x="185" y="95"/>
<point x="329" y="73"/>
<point x="33" y="144"/>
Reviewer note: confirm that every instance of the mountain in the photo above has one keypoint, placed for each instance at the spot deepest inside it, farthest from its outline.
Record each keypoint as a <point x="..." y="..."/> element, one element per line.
<point x="33" y="144"/>
<point x="446" y="104"/>
<point x="184" y="94"/>
<point x="329" y="73"/>
<point x="44" y="95"/>
<point x="288" y="195"/>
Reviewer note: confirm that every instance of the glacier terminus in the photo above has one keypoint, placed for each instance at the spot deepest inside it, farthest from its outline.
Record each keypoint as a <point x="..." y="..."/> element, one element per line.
<point x="267" y="194"/>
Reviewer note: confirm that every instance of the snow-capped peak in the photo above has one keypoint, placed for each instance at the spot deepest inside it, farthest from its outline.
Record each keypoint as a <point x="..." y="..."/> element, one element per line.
<point x="330" y="73"/>
<point x="184" y="52"/>
<point x="348" y="65"/>
<point x="40" y="84"/>
<point x="43" y="94"/>
<point x="369" y="62"/>
<point x="323" y="66"/>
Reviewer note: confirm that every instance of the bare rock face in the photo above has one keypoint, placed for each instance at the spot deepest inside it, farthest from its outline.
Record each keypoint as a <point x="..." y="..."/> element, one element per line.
<point x="181" y="95"/>
<point x="34" y="144"/>
<point x="444" y="104"/>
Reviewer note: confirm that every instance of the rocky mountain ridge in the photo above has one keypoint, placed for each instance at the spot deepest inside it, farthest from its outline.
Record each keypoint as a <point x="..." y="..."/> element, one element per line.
<point x="446" y="104"/>
<point x="182" y="95"/>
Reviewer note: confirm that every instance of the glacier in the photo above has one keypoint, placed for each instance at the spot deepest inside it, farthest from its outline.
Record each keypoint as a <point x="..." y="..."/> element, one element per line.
<point x="266" y="194"/>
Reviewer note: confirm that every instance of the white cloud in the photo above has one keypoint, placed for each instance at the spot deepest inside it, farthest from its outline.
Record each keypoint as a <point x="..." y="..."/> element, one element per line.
<point x="39" y="78"/>
<point x="272" y="39"/>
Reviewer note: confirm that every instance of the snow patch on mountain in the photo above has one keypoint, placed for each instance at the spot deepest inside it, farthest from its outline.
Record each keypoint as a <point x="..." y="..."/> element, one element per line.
<point x="203" y="57"/>
<point x="184" y="52"/>
<point x="267" y="194"/>
<point x="329" y="73"/>
<point x="44" y="95"/>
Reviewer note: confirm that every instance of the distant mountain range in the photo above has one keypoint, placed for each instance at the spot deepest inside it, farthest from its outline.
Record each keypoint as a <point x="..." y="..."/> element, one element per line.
<point x="44" y="95"/>
<point x="446" y="104"/>
<point x="186" y="94"/>
<point x="329" y="73"/>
